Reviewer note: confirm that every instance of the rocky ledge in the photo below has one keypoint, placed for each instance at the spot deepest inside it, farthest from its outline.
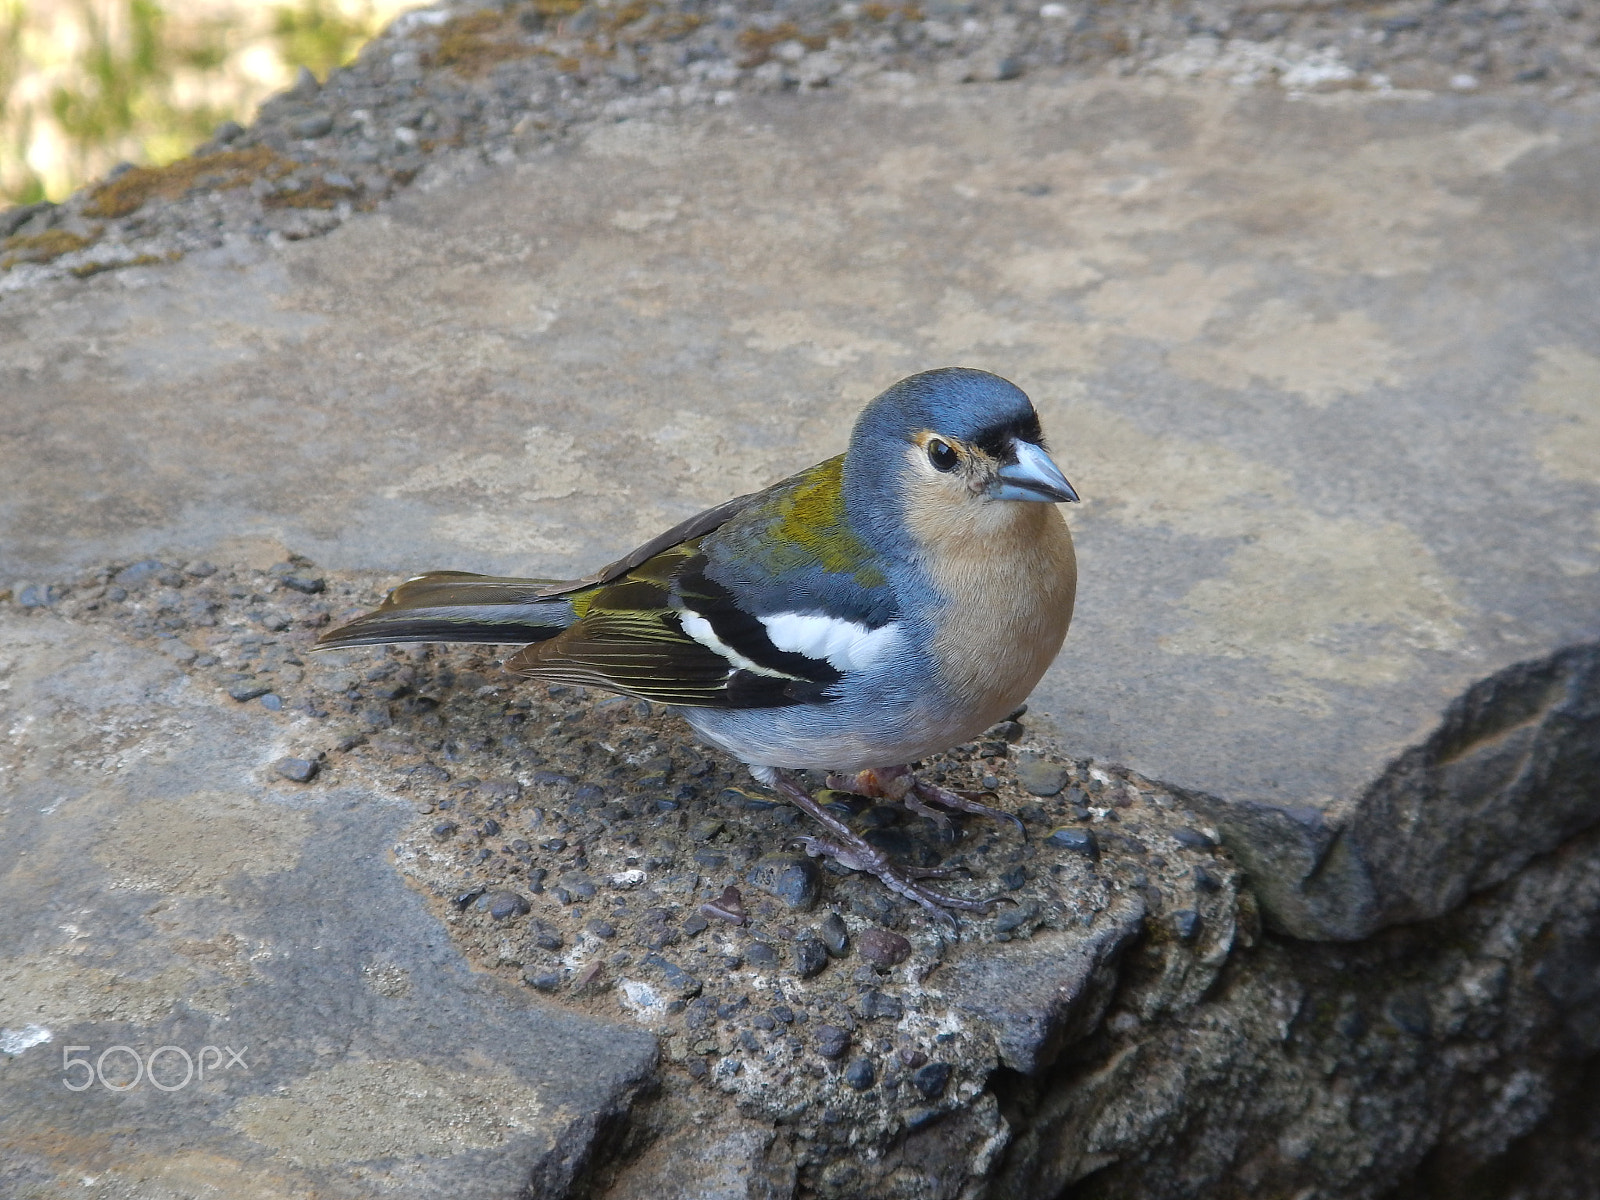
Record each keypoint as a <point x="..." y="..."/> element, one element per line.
<point x="1125" y="1026"/>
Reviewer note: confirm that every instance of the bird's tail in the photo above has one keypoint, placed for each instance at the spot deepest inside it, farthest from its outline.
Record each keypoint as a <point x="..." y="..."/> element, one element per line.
<point x="457" y="606"/>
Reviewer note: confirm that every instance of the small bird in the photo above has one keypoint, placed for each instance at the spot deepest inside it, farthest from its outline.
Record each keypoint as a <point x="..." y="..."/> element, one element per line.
<point x="875" y="609"/>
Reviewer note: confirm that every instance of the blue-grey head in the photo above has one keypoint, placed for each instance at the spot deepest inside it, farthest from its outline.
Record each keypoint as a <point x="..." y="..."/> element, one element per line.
<point x="957" y="439"/>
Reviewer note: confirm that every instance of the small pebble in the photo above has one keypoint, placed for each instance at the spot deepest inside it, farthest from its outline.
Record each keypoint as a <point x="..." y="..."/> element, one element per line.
<point x="504" y="905"/>
<point x="301" y="770"/>
<point x="860" y="1075"/>
<point x="834" y="935"/>
<point x="697" y="1068"/>
<point x="695" y="924"/>
<point x="793" y="879"/>
<point x="932" y="1079"/>
<point x="304" y="583"/>
<point x="468" y="896"/>
<point x="912" y="1057"/>
<point x="727" y="907"/>
<point x="589" y="977"/>
<point x="883" y="947"/>
<point x="1186" y="924"/>
<point x="832" y="1041"/>
<point x="810" y="957"/>
<point x="272" y="701"/>
<point x="544" y="981"/>
<point x="547" y="939"/>
<point x="1080" y="840"/>
<point x="875" y="1004"/>
<point x="1192" y="839"/>
<point x="445" y="829"/>
<point x="602" y="929"/>
<point x="247" y="689"/>
<point x="1016" y="917"/>
<point x="1040" y="778"/>
<point x="684" y="984"/>
<point x="314" y="126"/>
<point x="761" y="954"/>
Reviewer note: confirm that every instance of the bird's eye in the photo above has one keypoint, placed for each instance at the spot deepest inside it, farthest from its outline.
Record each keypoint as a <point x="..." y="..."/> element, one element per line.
<point x="941" y="456"/>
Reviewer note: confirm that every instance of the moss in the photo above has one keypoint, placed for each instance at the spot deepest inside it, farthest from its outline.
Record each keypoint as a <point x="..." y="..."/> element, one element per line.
<point x="474" y="43"/>
<point x="143" y="260"/>
<point x="757" y="44"/>
<point x="40" y="247"/>
<point x="317" y="194"/>
<point x="229" y="169"/>
<point x="875" y="11"/>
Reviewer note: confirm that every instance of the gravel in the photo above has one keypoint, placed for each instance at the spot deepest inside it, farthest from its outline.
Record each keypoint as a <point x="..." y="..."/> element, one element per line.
<point x="503" y="84"/>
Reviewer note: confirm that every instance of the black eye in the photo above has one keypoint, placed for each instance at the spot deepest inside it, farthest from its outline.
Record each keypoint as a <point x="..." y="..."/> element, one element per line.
<point x="941" y="456"/>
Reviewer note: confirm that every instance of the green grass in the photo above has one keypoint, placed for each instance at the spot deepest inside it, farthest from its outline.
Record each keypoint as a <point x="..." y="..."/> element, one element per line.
<point x="144" y="83"/>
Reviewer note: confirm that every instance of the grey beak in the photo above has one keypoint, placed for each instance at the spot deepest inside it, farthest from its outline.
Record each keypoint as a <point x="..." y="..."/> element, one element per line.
<point x="1032" y="477"/>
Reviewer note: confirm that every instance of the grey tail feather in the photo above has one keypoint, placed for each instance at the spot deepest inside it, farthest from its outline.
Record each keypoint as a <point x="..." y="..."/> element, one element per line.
<point x="456" y="606"/>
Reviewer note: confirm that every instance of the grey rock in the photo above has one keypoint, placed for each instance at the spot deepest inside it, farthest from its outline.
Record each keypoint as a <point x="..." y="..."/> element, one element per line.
<point x="831" y="1041"/>
<point x="301" y="770"/>
<point x="506" y="905"/>
<point x="861" y="1074"/>
<point x="932" y="1079"/>
<point x="248" y="689"/>
<point x="685" y="985"/>
<point x="874" y="1005"/>
<point x="139" y="573"/>
<point x="761" y="954"/>
<point x="1039" y="777"/>
<point x="1079" y="841"/>
<point x="793" y="879"/>
<point x="310" y="585"/>
<point x="834" y="935"/>
<point x="315" y="125"/>
<point x="810" y="957"/>
<point x="38" y="595"/>
<point x="1040" y="993"/>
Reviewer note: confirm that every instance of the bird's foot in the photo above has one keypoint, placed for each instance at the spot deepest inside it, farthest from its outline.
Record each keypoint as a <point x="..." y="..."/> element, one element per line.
<point x="900" y="785"/>
<point x="849" y="849"/>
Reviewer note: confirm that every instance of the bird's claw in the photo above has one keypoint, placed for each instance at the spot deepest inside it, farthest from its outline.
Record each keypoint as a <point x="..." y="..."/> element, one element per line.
<point x="900" y="786"/>
<point x="902" y="882"/>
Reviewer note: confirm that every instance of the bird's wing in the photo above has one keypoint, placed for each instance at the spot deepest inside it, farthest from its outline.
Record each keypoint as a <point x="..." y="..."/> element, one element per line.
<point x="695" y="527"/>
<point x="706" y="621"/>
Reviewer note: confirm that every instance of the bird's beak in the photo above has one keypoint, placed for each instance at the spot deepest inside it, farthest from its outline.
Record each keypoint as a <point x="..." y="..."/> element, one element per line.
<point x="1032" y="477"/>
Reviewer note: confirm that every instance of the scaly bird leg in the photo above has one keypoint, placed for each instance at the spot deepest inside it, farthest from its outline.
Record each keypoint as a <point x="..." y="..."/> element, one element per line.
<point x="849" y="849"/>
<point x="899" y="784"/>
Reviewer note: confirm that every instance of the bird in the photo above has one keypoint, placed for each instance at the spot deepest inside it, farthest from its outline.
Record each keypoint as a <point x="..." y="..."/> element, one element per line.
<point x="864" y="614"/>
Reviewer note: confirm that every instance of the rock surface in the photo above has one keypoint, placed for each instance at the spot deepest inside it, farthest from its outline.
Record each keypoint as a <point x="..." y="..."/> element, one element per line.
<point x="1304" y="340"/>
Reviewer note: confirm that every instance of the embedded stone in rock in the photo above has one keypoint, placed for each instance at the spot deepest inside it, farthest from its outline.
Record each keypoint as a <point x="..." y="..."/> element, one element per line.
<point x="834" y="935"/>
<point x="683" y="983"/>
<point x="793" y="879"/>
<point x="860" y="1074"/>
<point x="1041" y="778"/>
<point x="1081" y="840"/>
<point x="1036" y="993"/>
<point x="875" y="1004"/>
<point x="883" y="947"/>
<point x="505" y="905"/>
<point x="810" y="957"/>
<point x="300" y="770"/>
<point x="932" y="1079"/>
<point x="727" y="907"/>
<point x="832" y="1041"/>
